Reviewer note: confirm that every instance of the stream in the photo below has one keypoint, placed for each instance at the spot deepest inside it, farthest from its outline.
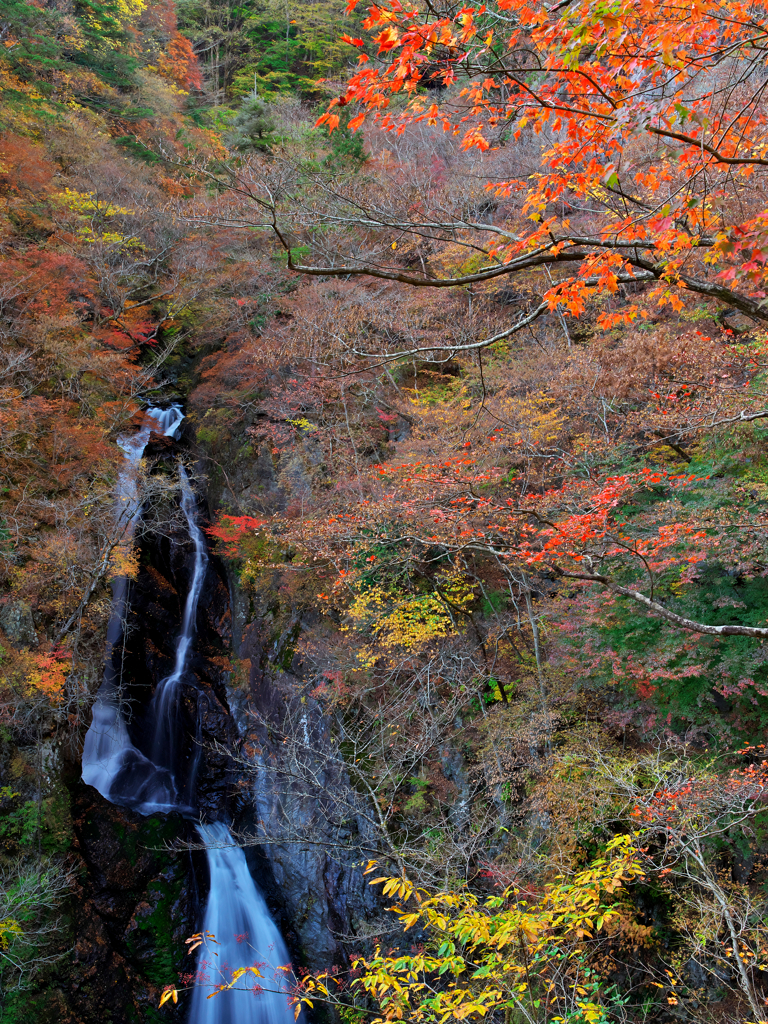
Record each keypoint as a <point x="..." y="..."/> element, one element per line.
<point x="160" y="779"/>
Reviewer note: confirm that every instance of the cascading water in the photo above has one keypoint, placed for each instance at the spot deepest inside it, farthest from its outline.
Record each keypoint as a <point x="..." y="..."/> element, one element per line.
<point x="148" y="782"/>
<point x="108" y="750"/>
<point x="164" y="706"/>
<point x="151" y="782"/>
<point x="237" y="915"/>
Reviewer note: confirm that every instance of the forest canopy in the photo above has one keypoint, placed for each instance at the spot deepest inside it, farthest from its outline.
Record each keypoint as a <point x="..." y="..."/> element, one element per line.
<point x="465" y="307"/>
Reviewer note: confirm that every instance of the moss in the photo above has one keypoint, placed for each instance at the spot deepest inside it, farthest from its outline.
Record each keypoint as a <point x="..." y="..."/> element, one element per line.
<point x="22" y="1006"/>
<point x="493" y="602"/>
<point x="152" y="943"/>
<point x="209" y="436"/>
<point x="58" y="834"/>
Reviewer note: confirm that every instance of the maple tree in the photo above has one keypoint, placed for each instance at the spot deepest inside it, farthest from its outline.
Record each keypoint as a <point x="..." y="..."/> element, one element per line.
<point x="648" y="120"/>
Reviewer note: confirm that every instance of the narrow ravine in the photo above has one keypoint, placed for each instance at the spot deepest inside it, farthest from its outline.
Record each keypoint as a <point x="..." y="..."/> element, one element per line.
<point x="161" y="779"/>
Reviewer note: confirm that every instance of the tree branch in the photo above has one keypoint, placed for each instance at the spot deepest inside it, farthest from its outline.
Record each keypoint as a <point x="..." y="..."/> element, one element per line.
<point x="759" y="632"/>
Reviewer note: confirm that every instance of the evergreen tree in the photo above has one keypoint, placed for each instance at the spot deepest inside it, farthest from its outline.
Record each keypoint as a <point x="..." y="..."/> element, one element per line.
<point x="253" y="128"/>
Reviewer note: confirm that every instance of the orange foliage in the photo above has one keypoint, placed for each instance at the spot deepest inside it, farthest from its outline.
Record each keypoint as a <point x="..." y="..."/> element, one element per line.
<point x="631" y="184"/>
<point x="179" y="64"/>
<point x="24" y="166"/>
<point x="31" y="678"/>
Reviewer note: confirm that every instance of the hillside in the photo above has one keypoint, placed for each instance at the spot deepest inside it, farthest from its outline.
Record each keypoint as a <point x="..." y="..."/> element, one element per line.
<point x="383" y="511"/>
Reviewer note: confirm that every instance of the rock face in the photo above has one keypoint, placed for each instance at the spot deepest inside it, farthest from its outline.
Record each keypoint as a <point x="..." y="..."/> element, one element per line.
<point x="135" y="907"/>
<point x="305" y="810"/>
<point x="17" y="623"/>
<point x="295" y="795"/>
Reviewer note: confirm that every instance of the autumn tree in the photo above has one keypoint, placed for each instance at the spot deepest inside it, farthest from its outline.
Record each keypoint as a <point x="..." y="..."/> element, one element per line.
<point x="647" y="131"/>
<point x="690" y="816"/>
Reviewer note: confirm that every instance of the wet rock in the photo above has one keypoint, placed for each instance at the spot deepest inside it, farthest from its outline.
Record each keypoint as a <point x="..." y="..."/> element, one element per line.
<point x="323" y="891"/>
<point x="203" y="726"/>
<point x="136" y="903"/>
<point x="18" y="624"/>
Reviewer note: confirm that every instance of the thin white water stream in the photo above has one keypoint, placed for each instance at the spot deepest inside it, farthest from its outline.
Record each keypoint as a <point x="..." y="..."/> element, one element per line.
<point x="163" y="705"/>
<point x="235" y="914"/>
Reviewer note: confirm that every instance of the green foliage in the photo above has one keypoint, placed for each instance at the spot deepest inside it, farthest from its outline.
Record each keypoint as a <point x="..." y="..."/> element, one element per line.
<point x="32" y="890"/>
<point x="253" y="128"/>
<point x="208" y="436"/>
<point x="297" y="44"/>
<point x="283" y="48"/>
<point x="493" y="601"/>
<point x="347" y="147"/>
<point x="416" y="804"/>
<point x="214" y="431"/>
<point x="94" y="40"/>
<point x="298" y="254"/>
<point x="138" y="150"/>
<point x="682" y="679"/>
<point x="349" y="1015"/>
<point x="19" y="827"/>
<point x="34" y="31"/>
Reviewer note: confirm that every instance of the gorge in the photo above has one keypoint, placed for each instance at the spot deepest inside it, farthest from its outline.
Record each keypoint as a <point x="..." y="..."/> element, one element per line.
<point x="237" y="929"/>
<point x="383" y="512"/>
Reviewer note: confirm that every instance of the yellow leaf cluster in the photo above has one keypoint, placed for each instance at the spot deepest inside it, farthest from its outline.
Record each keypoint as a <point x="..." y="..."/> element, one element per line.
<point x="124" y="562"/>
<point x="482" y="949"/>
<point x="86" y="202"/>
<point x="8" y="928"/>
<point x="399" y="620"/>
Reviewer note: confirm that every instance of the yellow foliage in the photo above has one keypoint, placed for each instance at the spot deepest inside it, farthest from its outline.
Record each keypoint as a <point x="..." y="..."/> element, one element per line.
<point x="86" y="202"/>
<point x="483" y="949"/>
<point x="401" y="620"/>
<point x="303" y="424"/>
<point x="124" y="562"/>
<point x="91" y="211"/>
<point x="537" y="418"/>
<point x="125" y="11"/>
<point x="8" y="928"/>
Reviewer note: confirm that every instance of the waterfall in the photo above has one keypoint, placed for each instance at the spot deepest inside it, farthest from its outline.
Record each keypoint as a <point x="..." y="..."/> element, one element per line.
<point x="236" y="913"/>
<point x="148" y="782"/>
<point x="108" y="751"/>
<point x="164" y="707"/>
<point x="237" y="916"/>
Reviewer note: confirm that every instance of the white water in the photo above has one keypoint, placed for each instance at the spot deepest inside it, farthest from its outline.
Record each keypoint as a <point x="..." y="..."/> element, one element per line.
<point x="246" y="936"/>
<point x="108" y="751"/>
<point x="235" y="914"/>
<point x="164" y="706"/>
